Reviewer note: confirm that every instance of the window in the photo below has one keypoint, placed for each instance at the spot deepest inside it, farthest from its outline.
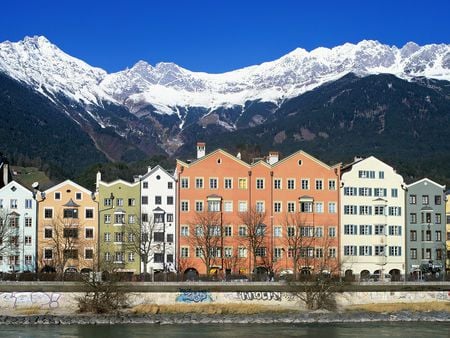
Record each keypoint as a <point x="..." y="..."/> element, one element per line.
<point x="89" y="213"/>
<point x="331" y="232"/>
<point x="381" y="174"/>
<point x="169" y="217"/>
<point x="28" y="203"/>
<point x="119" y="256"/>
<point x="184" y="183"/>
<point x="319" y="184"/>
<point x="437" y="200"/>
<point x="277" y="207"/>
<point x="305" y="184"/>
<point x="144" y="200"/>
<point x="107" y="237"/>
<point x="214" y="205"/>
<point x="1" y="203"/>
<point x="89" y="254"/>
<point x="365" y="250"/>
<point x="395" y="251"/>
<point x="260" y="183"/>
<point x="158" y="217"/>
<point x="184" y="231"/>
<point x="184" y="206"/>
<point x="427" y="253"/>
<point x="413" y="253"/>
<point x="158" y="200"/>
<point x="131" y="202"/>
<point x="426" y="217"/>
<point x="228" y="183"/>
<point x="319" y="232"/>
<point x="350" y="209"/>
<point x="70" y="213"/>
<point x="198" y="206"/>
<point x="70" y="233"/>
<point x="145" y="185"/>
<point x="228" y="206"/>
<point x="412" y="199"/>
<point x="350" y="191"/>
<point x="107" y="202"/>
<point x="119" y="219"/>
<point x="89" y="233"/>
<point x="48" y="213"/>
<point x="365" y="229"/>
<point x="291" y="207"/>
<point x="379" y="210"/>
<point x="13" y="204"/>
<point x="169" y="185"/>
<point x="199" y="183"/>
<point x="307" y="231"/>
<point x="14" y="222"/>
<point x="48" y="233"/>
<point x="131" y="257"/>
<point x="319" y="207"/>
<point x="261" y="252"/>
<point x="228" y="231"/>
<point x="107" y="218"/>
<point x="306" y="207"/>
<point x="331" y="184"/>
<point x="349" y="250"/>
<point x="277" y="252"/>
<point x="48" y="254"/>
<point x="131" y="219"/>
<point x="395" y="211"/>
<point x="332" y="252"/>
<point x="379" y="250"/>
<point x="169" y="238"/>
<point x="425" y="199"/>
<point x="242" y="182"/>
<point x="107" y="256"/>
<point x="213" y="183"/>
<point x="57" y="195"/>
<point x="365" y="210"/>
<point x="169" y="258"/>
<point x="78" y="196"/>
<point x="395" y="230"/>
<point x="413" y="218"/>
<point x="379" y="229"/>
<point x="365" y="191"/>
<point x="277" y="183"/>
<point x="277" y="231"/>
<point x="260" y="206"/>
<point x="27" y="240"/>
<point x="28" y="222"/>
<point x="228" y="252"/>
<point x="438" y="218"/>
<point x="242" y="206"/>
<point x="350" y="229"/>
<point x="291" y="184"/>
<point x="242" y="252"/>
<point x="438" y="236"/>
<point x="394" y="192"/>
<point x="380" y="192"/>
<point x="28" y="260"/>
<point x="158" y="236"/>
<point x="413" y="235"/>
<point x="118" y="237"/>
<point x="242" y="231"/>
<point x="119" y="202"/>
<point x="427" y="236"/>
<point x="184" y="252"/>
<point x="366" y="174"/>
<point x="332" y="207"/>
<point x="290" y="231"/>
<point x="71" y="254"/>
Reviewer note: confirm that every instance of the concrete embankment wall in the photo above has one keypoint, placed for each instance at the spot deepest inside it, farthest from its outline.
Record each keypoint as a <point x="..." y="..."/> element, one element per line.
<point x="14" y="299"/>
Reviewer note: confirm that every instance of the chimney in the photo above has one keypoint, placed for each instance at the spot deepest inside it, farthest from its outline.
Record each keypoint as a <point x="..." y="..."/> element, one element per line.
<point x="357" y="159"/>
<point x="149" y="168"/>
<point x="273" y="157"/>
<point x="98" y="179"/>
<point x="201" y="149"/>
<point x="239" y="156"/>
<point x="5" y="173"/>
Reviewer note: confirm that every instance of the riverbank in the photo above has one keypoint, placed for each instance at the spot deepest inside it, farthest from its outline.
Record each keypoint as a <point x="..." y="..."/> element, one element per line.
<point x="195" y="319"/>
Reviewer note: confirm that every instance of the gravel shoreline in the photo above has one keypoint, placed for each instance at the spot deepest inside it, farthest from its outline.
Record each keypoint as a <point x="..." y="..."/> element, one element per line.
<point x="174" y="319"/>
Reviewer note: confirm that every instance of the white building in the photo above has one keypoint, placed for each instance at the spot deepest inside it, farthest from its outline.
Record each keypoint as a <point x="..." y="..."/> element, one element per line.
<point x="18" y="231"/>
<point x="158" y="212"/>
<point x="372" y="225"/>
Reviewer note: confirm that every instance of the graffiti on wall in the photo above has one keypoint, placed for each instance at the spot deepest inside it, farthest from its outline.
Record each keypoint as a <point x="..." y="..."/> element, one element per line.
<point x="189" y="296"/>
<point x="43" y="300"/>
<point x="270" y="296"/>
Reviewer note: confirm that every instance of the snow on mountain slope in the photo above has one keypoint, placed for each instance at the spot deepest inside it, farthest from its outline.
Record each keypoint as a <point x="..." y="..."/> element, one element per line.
<point x="167" y="86"/>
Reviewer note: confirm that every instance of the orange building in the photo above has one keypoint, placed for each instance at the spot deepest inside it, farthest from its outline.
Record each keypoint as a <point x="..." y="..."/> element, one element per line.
<point x="67" y="228"/>
<point x="296" y="199"/>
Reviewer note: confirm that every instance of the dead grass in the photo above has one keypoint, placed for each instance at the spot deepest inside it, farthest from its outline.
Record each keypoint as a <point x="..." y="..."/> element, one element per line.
<point x="396" y="307"/>
<point x="233" y="309"/>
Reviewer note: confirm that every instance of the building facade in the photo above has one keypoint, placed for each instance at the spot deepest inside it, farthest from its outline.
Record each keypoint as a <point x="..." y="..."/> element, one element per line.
<point x="67" y="229"/>
<point x="425" y="225"/>
<point x="119" y="224"/>
<point x="296" y="197"/>
<point x="158" y="214"/>
<point x="372" y="227"/>
<point x="18" y="232"/>
<point x="447" y="255"/>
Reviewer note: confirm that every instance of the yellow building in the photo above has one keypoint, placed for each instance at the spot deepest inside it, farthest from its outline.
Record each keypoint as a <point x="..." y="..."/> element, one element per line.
<point x="67" y="229"/>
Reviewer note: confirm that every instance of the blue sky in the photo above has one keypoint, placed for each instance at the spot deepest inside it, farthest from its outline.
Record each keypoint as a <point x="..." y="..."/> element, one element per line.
<point x="216" y="36"/>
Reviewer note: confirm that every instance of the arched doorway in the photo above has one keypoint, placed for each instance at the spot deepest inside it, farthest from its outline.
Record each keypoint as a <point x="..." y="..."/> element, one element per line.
<point x="364" y="275"/>
<point x="395" y="275"/>
<point x="86" y="270"/>
<point x="191" y="274"/>
<point x="348" y="275"/>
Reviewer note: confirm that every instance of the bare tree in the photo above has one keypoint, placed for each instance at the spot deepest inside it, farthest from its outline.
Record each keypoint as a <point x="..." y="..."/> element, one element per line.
<point x="255" y="236"/>
<point x="207" y="237"/>
<point x="9" y="227"/>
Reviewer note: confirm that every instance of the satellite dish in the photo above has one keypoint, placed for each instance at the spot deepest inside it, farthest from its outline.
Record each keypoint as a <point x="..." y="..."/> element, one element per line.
<point x="35" y="185"/>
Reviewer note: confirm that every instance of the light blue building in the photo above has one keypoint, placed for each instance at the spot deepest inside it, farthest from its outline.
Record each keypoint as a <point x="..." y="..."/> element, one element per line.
<point x="18" y="232"/>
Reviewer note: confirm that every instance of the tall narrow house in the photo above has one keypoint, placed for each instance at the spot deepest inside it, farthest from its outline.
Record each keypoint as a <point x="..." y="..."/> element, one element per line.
<point x="425" y="238"/>
<point x="372" y="220"/>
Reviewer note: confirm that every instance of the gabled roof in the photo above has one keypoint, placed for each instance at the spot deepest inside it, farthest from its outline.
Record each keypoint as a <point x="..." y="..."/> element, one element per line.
<point x="426" y="180"/>
<point x="153" y="170"/>
<point x="312" y="158"/>
<point x="15" y="183"/>
<point x="118" y="181"/>
<point x="221" y="151"/>
<point x="68" y="182"/>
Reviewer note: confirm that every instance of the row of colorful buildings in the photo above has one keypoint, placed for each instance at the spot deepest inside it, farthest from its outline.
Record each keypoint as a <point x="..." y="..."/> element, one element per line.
<point x="218" y="213"/>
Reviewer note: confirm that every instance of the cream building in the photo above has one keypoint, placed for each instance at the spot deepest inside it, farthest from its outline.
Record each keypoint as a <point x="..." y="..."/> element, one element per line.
<point x="372" y="222"/>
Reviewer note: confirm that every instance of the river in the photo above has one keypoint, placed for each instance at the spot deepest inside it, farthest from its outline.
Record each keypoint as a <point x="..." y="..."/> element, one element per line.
<point x="366" y="330"/>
